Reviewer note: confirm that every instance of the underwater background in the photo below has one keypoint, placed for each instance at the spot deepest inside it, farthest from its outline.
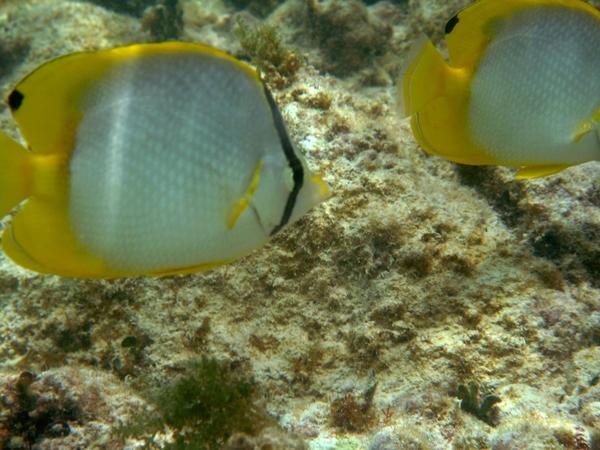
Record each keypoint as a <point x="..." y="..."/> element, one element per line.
<point x="426" y="305"/>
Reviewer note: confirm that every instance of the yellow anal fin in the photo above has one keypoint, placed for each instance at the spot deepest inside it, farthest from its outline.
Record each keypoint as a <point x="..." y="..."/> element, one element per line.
<point x="192" y="269"/>
<point x="15" y="174"/>
<point x="39" y="238"/>
<point x="538" y="171"/>
<point x="240" y="206"/>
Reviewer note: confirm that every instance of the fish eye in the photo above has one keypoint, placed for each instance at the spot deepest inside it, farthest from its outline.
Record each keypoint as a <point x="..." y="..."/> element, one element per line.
<point x="15" y="99"/>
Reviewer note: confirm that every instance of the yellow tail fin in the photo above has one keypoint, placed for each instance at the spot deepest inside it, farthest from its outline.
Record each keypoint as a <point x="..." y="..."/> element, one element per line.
<point x="423" y="79"/>
<point x="436" y="95"/>
<point x="15" y="174"/>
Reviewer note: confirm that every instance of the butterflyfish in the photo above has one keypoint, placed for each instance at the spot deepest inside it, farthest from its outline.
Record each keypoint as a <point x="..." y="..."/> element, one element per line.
<point x="521" y="88"/>
<point x="151" y="159"/>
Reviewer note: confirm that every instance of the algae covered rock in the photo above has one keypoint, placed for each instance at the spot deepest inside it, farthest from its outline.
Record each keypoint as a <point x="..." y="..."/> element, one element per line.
<point x="132" y="7"/>
<point x="348" y="34"/>
<point x="260" y="8"/>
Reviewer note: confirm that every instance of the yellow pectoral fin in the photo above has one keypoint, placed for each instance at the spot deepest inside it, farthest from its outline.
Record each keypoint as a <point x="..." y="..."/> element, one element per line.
<point x="324" y="191"/>
<point x="538" y="171"/>
<point x="240" y="206"/>
<point x="586" y="126"/>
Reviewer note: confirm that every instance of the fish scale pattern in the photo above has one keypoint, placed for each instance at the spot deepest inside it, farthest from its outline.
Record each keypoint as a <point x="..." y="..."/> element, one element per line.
<point x="165" y="148"/>
<point x="535" y="85"/>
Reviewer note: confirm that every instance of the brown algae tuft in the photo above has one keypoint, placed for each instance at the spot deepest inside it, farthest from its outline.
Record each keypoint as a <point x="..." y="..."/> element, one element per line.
<point x="353" y="415"/>
<point x="261" y="8"/>
<point x="262" y="44"/>
<point x="12" y="53"/>
<point x="164" y="21"/>
<point x="348" y="34"/>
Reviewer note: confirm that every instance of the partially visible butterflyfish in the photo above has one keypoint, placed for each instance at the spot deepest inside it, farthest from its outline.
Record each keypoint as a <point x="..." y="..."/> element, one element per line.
<point x="521" y="89"/>
<point x="149" y="159"/>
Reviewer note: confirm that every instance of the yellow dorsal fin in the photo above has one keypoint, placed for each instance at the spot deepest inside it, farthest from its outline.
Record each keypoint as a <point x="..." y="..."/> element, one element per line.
<point x="240" y="206"/>
<point x="469" y="32"/>
<point x="46" y="104"/>
<point x="538" y="171"/>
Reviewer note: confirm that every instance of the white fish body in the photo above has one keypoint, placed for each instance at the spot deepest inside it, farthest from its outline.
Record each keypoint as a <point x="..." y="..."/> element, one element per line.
<point x="156" y="159"/>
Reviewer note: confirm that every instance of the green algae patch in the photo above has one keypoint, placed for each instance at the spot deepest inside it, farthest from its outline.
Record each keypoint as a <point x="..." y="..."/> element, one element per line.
<point x="481" y="407"/>
<point x="206" y="405"/>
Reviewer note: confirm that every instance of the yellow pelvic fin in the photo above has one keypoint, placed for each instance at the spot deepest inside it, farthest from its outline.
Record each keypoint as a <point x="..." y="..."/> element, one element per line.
<point x="538" y="171"/>
<point x="469" y="32"/>
<point x="587" y="126"/>
<point x="47" y="103"/>
<point x="240" y="206"/>
<point x="15" y="174"/>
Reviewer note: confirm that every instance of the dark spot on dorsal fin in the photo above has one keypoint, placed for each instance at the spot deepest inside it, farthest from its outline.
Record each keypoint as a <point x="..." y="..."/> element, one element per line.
<point x="15" y="99"/>
<point x="451" y="24"/>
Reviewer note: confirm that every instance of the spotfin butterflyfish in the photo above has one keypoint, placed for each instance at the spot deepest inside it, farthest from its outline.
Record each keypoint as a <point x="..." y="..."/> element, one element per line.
<point x="151" y="159"/>
<point x="521" y="89"/>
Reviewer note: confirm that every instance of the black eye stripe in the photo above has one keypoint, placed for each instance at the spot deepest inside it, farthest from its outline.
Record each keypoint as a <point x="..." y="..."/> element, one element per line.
<point x="293" y="161"/>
